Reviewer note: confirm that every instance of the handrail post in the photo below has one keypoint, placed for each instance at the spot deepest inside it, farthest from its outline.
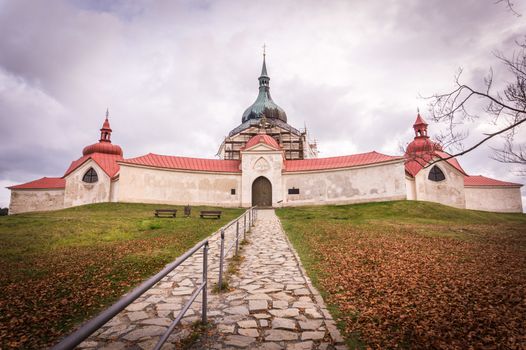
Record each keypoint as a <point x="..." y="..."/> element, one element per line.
<point x="204" y="305"/>
<point x="249" y="218"/>
<point x="237" y="241"/>
<point x="221" y="253"/>
<point x="245" y="223"/>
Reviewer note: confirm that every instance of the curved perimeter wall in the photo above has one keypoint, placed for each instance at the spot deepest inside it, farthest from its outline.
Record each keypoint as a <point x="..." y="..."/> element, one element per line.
<point x="373" y="183"/>
<point x="167" y="186"/>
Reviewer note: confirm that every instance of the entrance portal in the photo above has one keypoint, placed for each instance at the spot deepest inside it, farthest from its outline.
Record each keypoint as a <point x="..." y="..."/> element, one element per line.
<point x="261" y="192"/>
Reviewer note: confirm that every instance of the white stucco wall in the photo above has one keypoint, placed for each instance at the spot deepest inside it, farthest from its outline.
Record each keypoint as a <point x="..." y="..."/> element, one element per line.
<point x="78" y="192"/>
<point x="449" y="191"/>
<point x="154" y="185"/>
<point x="261" y="161"/>
<point x="36" y="200"/>
<point x="377" y="182"/>
<point x="410" y="185"/>
<point x="499" y="199"/>
<point x="114" y="191"/>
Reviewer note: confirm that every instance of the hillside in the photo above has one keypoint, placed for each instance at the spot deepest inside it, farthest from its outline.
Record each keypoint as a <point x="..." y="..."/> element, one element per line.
<point x="59" y="268"/>
<point x="415" y="274"/>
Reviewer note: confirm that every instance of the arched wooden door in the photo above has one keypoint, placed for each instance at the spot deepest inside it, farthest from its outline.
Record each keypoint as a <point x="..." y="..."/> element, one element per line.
<point x="262" y="192"/>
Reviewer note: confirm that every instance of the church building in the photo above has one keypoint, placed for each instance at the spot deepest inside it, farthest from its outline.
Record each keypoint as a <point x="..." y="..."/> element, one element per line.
<point x="266" y="162"/>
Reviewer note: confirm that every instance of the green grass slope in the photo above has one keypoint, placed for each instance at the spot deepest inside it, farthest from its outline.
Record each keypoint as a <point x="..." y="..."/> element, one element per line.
<point x="59" y="268"/>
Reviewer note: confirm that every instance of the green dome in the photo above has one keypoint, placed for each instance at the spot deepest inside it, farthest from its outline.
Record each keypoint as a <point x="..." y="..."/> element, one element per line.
<point x="264" y="105"/>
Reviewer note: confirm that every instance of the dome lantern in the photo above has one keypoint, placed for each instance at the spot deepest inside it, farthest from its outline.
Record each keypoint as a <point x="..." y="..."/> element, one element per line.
<point x="104" y="145"/>
<point x="421" y="143"/>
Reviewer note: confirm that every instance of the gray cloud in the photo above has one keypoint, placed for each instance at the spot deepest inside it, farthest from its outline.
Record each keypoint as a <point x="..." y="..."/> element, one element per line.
<point x="177" y="75"/>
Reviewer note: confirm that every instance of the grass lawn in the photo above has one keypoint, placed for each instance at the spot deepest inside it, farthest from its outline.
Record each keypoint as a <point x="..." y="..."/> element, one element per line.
<point x="60" y="268"/>
<point x="416" y="275"/>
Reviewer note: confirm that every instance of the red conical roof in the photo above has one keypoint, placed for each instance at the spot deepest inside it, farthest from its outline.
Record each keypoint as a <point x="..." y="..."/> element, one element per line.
<point x="419" y="120"/>
<point x="106" y="125"/>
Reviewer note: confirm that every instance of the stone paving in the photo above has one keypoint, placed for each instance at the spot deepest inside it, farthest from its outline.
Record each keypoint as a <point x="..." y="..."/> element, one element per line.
<point x="271" y="305"/>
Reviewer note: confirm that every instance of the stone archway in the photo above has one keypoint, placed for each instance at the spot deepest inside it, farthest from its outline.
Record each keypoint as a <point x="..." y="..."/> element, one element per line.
<point x="262" y="192"/>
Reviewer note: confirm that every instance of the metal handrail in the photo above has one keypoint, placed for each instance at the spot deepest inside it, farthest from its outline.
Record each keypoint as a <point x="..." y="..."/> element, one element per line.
<point x="251" y="217"/>
<point x="87" y="329"/>
<point x="77" y="337"/>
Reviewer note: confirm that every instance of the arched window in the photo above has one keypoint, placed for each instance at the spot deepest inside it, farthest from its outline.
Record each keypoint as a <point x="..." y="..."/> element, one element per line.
<point x="435" y="174"/>
<point x="90" y="176"/>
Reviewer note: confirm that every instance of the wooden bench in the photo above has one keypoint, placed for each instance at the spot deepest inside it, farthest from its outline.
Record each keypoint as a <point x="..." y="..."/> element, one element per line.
<point x="165" y="213"/>
<point x="211" y="214"/>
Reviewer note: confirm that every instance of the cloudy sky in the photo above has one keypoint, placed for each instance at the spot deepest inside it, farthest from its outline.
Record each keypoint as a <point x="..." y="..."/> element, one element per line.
<point x="177" y="75"/>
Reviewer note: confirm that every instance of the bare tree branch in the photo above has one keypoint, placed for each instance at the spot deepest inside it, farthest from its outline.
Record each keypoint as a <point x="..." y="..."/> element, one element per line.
<point x="488" y="137"/>
<point x="510" y="5"/>
<point x="505" y="109"/>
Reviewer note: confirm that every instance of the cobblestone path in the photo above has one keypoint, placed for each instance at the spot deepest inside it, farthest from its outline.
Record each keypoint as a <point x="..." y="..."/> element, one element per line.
<point x="272" y="304"/>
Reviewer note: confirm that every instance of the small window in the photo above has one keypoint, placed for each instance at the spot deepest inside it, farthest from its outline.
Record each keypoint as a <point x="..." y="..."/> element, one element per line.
<point x="90" y="176"/>
<point x="435" y="174"/>
<point x="233" y="191"/>
<point x="294" y="190"/>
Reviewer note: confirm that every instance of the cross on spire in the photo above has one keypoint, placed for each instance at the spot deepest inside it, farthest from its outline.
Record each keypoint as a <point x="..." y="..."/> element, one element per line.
<point x="264" y="74"/>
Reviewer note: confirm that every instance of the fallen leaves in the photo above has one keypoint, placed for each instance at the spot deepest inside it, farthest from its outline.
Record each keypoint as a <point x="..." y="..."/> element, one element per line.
<point x="394" y="287"/>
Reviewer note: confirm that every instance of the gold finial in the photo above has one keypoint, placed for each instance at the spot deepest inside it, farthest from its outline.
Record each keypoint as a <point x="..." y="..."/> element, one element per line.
<point x="264" y="49"/>
<point x="107" y="113"/>
<point x="418" y="110"/>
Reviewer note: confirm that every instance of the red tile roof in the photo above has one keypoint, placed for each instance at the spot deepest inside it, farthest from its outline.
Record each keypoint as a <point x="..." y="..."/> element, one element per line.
<point x="337" y="162"/>
<point x="43" y="183"/>
<point x="452" y="161"/>
<point x="264" y="138"/>
<point x="413" y="166"/>
<point x="479" y="180"/>
<point x="185" y="163"/>
<point x="108" y="163"/>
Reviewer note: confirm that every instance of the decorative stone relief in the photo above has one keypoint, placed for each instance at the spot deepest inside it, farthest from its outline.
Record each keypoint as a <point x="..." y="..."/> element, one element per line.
<point x="261" y="164"/>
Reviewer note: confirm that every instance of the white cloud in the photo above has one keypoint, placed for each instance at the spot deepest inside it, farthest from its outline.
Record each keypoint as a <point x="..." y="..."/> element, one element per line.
<point x="177" y="75"/>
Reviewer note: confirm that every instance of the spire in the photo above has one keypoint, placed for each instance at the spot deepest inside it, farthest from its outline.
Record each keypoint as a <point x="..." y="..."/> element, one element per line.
<point x="264" y="68"/>
<point x="264" y="78"/>
<point x="105" y="131"/>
